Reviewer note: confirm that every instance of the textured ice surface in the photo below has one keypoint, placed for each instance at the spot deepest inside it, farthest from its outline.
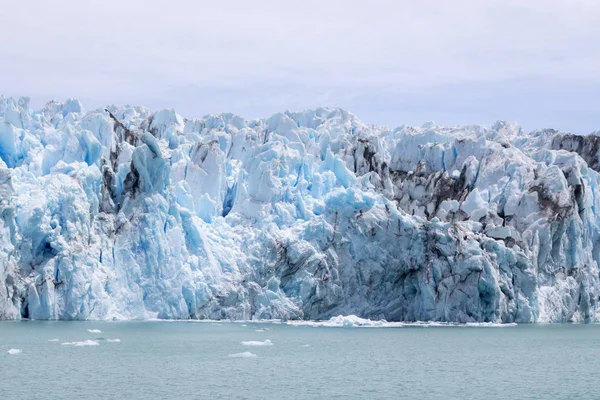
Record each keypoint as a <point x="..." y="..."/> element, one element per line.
<point x="125" y="213"/>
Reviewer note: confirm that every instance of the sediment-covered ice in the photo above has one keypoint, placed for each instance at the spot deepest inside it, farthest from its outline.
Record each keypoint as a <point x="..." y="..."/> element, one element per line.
<point x="124" y="213"/>
<point x="257" y="343"/>
<point x="245" y="354"/>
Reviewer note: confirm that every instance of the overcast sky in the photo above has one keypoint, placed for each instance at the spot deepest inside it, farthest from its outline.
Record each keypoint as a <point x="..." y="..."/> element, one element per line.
<point x="393" y="62"/>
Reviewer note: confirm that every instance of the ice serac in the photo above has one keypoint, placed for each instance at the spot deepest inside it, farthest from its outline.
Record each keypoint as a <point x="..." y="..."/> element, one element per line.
<point x="125" y="213"/>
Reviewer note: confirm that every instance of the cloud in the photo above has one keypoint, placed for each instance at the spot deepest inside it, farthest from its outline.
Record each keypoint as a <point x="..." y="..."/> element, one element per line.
<point x="141" y="50"/>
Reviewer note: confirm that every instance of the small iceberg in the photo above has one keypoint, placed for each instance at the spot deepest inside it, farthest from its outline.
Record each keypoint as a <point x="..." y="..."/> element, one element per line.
<point x="54" y="340"/>
<point x="257" y="343"/>
<point x="306" y="345"/>
<point x="94" y="331"/>
<point x="83" y="343"/>
<point x="113" y="340"/>
<point x="245" y="354"/>
<point x="14" y="351"/>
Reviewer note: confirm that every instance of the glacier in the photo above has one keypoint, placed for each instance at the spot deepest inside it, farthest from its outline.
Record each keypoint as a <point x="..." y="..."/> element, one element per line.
<point x="125" y="213"/>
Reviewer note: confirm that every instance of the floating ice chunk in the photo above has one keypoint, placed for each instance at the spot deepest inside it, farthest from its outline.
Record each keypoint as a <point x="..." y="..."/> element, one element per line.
<point x="259" y="330"/>
<point x="80" y="344"/>
<point x="14" y="351"/>
<point x="244" y="325"/>
<point x="113" y="340"/>
<point x="348" y="321"/>
<point x="53" y="340"/>
<point x="352" y="321"/>
<point x="487" y="324"/>
<point x="94" y="331"/>
<point x="257" y="343"/>
<point x="245" y="354"/>
<point x="306" y="345"/>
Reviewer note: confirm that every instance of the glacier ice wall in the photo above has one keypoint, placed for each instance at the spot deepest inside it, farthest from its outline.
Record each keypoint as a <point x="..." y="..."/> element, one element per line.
<point x="131" y="214"/>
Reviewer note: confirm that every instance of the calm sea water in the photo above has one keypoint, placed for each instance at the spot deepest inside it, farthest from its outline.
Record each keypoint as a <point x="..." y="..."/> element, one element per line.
<point x="182" y="360"/>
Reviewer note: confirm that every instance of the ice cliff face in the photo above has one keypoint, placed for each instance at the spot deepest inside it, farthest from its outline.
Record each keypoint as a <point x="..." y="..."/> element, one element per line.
<point x="126" y="213"/>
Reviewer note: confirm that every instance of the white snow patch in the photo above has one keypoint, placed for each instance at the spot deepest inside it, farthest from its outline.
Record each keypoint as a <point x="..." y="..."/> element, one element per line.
<point x="257" y="343"/>
<point x="245" y="354"/>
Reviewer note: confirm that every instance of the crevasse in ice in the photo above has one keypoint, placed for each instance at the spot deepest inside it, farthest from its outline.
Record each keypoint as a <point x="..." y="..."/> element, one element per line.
<point x="131" y="214"/>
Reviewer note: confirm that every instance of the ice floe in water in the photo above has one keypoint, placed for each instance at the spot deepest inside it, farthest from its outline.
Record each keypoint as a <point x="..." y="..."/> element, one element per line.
<point x="83" y="343"/>
<point x="257" y="343"/>
<point x="54" y="340"/>
<point x="245" y="354"/>
<point x="306" y="345"/>
<point x="487" y="324"/>
<point x="14" y="351"/>
<point x="352" y="321"/>
<point x="346" y="321"/>
<point x="113" y="340"/>
<point x="94" y="331"/>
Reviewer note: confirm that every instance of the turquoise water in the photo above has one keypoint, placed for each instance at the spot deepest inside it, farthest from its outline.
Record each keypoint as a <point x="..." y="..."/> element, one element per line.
<point x="183" y="360"/>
